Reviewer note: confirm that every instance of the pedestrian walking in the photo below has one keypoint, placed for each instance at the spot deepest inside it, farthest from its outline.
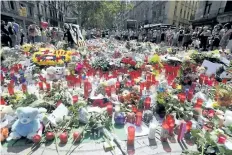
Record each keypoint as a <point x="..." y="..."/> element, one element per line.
<point x="187" y="39"/>
<point x="204" y="38"/>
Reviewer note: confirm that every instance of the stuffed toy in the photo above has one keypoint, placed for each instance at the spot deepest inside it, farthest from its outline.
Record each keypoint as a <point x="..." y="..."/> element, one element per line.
<point x="28" y="74"/>
<point x="27" y="124"/>
<point x="53" y="73"/>
<point x="6" y="115"/>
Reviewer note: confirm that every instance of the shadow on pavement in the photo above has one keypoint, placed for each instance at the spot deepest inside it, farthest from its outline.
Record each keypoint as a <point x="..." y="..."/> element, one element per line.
<point x="166" y="146"/>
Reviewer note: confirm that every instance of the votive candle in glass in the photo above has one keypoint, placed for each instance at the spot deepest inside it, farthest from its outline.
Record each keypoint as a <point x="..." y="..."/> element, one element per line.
<point x="130" y="135"/>
<point x="138" y="120"/>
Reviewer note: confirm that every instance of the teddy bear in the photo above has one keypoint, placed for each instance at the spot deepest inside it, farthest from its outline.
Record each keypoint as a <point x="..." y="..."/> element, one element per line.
<point x="27" y="124"/>
<point x="53" y="73"/>
<point x="7" y="117"/>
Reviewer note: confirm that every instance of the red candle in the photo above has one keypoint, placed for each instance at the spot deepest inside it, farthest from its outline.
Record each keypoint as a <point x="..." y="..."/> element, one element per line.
<point x="109" y="109"/>
<point x="86" y="88"/>
<point x="221" y="139"/>
<point x="188" y="126"/>
<point x="164" y="132"/>
<point x="147" y="103"/>
<point x="48" y="86"/>
<point x="141" y="87"/>
<point x="138" y="118"/>
<point x="130" y="135"/>
<point x="41" y="85"/>
<point x="11" y="89"/>
<point x="199" y="103"/>
<point x="190" y="95"/>
<point x="182" y="97"/>
<point x="2" y="101"/>
<point x="108" y="91"/>
<point x="201" y="79"/>
<point x="149" y="78"/>
<point x="24" y="88"/>
<point x="224" y="81"/>
<point x="134" y="109"/>
<point x="75" y="99"/>
<point x="206" y="81"/>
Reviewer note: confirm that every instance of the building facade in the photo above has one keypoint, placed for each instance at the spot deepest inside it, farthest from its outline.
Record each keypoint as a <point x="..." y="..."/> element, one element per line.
<point x="27" y="12"/>
<point x="213" y="12"/>
<point x="177" y="13"/>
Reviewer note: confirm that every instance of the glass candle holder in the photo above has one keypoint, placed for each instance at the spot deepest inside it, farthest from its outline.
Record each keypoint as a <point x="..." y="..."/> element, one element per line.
<point x="138" y="120"/>
<point x="48" y="86"/>
<point x="75" y="98"/>
<point x="147" y="103"/>
<point x="221" y="139"/>
<point x="110" y="109"/>
<point x="152" y="131"/>
<point x="189" y="126"/>
<point x="130" y="135"/>
<point x="11" y="89"/>
<point x="24" y="88"/>
<point x="41" y="85"/>
<point x="108" y="91"/>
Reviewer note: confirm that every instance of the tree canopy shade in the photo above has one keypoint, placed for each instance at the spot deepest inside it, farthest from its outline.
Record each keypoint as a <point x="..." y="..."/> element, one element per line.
<point x="100" y="14"/>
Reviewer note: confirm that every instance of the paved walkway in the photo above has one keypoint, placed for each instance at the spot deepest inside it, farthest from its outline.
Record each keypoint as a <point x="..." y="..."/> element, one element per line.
<point x="142" y="146"/>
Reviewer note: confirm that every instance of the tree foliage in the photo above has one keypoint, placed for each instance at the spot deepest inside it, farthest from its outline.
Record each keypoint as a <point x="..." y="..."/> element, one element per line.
<point x="99" y="14"/>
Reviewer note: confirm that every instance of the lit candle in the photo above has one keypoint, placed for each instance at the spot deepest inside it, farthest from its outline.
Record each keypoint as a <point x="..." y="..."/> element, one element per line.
<point x="41" y="85"/>
<point x="11" y="89"/>
<point x="188" y="126"/>
<point x="110" y="109"/>
<point x="75" y="99"/>
<point x="190" y="95"/>
<point x="48" y="86"/>
<point x="130" y="135"/>
<point x="24" y="88"/>
<point x="221" y="139"/>
<point x="164" y="131"/>
<point x="152" y="130"/>
<point x="147" y="103"/>
<point x="108" y="91"/>
<point x="2" y="101"/>
<point x="138" y="120"/>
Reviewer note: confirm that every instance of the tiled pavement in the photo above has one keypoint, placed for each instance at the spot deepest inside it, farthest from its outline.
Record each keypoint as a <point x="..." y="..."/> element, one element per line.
<point x="141" y="147"/>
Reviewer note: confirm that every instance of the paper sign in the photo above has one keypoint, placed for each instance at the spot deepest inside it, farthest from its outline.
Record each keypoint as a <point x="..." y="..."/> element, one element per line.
<point x="211" y="67"/>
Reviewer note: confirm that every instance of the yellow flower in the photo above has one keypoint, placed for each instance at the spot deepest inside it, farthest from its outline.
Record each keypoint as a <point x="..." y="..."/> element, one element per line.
<point x="179" y="87"/>
<point x="155" y="59"/>
<point x="216" y="105"/>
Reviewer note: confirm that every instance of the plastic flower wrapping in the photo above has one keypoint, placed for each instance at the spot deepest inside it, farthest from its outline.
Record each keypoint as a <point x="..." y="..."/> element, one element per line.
<point x="109" y="83"/>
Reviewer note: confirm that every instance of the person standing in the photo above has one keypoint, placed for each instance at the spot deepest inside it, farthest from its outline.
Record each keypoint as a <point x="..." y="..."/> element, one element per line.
<point x="187" y="39"/>
<point x="83" y="33"/>
<point x="67" y="36"/>
<point x="226" y="37"/>
<point x="175" y="38"/>
<point x="5" y="38"/>
<point x="21" y="37"/>
<point x="204" y="38"/>
<point x="163" y="36"/>
<point x="12" y="34"/>
<point x="180" y="37"/>
<point x="32" y="33"/>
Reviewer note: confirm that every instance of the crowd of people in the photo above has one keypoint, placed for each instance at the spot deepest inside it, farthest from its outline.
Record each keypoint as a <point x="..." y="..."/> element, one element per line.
<point x="202" y="38"/>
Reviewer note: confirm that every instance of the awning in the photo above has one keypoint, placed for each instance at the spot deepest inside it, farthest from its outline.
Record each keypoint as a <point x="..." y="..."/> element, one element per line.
<point x="225" y="18"/>
<point x="204" y="21"/>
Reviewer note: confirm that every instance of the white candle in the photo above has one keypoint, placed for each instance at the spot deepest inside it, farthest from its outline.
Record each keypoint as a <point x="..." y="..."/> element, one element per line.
<point x="152" y="130"/>
<point x="228" y="121"/>
<point x="228" y="113"/>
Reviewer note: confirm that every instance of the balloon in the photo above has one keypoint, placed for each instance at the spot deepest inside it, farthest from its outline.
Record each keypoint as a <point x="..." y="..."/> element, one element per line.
<point x="44" y="24"/>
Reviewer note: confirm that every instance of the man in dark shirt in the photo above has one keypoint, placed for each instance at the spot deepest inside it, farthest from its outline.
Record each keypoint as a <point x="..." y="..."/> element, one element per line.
<point x="5" y="38"/>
